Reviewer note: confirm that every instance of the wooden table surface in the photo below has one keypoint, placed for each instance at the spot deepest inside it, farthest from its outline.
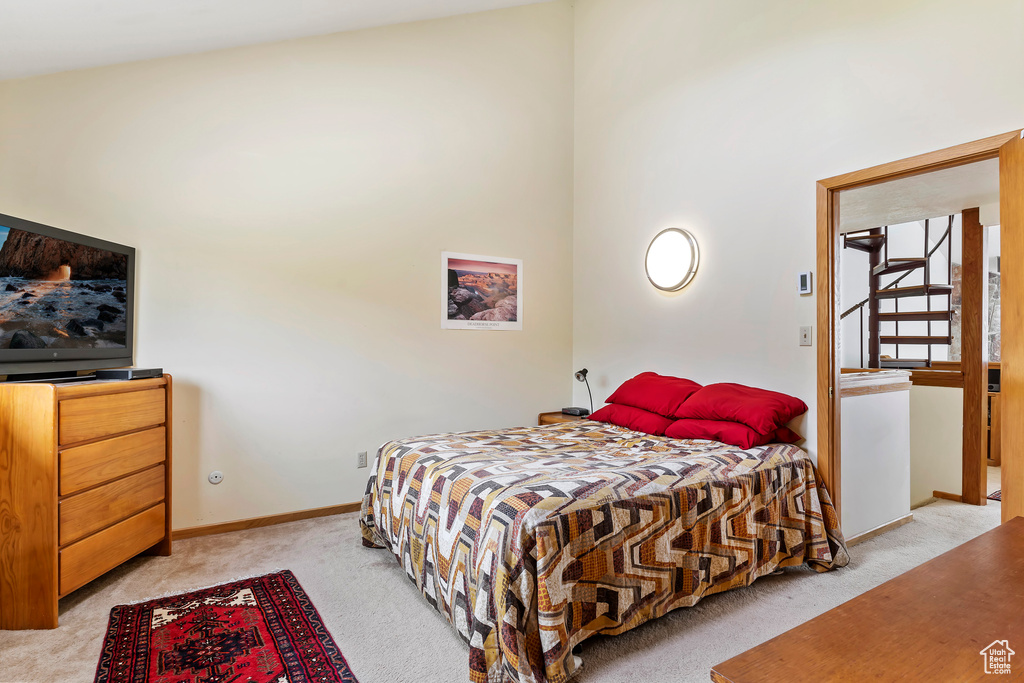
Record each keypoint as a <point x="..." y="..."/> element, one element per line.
<point x="929" y="624"/>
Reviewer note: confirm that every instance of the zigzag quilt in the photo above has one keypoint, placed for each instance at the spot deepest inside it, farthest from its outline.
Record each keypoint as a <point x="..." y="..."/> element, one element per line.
<point x="531" y="540"/>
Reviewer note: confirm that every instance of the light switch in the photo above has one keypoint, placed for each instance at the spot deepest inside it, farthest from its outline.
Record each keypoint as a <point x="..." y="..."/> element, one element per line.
<point x="806" y="332"/>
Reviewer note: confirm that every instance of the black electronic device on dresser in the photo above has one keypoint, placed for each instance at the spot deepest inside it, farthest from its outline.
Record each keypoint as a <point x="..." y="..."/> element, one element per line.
<point x="129" y="373"/>
<point x="579" y="412"/>
<point x="67" y="302"/>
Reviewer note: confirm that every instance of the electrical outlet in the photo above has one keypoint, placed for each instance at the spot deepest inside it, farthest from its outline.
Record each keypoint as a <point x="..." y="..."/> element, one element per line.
<point x="806" y="332"/>
<point x="362" y="459"/>
<point x="216" y="477"/>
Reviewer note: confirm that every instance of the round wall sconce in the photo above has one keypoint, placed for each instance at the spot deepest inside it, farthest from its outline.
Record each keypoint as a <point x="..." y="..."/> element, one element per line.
<point x="672" y="259"/>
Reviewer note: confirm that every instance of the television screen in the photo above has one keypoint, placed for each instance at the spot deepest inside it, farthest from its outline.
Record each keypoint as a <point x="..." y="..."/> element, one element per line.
<point x="63" y="296"/>
<point x="58" y="294"/>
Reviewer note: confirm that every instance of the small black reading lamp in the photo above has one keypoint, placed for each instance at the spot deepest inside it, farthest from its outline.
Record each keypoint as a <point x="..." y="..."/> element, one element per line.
<point x="581" y="376"/>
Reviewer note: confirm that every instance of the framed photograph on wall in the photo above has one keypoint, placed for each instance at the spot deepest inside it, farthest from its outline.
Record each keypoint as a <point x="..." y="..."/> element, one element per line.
<point x="481" y="292"/>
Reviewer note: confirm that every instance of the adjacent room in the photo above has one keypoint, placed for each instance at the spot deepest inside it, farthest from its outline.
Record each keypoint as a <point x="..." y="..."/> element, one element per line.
<point x="920" y="298"/>
<point x="500" y="340"/>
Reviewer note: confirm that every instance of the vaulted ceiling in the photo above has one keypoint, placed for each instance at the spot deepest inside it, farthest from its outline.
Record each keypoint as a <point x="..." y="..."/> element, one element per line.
<point x="48" y="36"/>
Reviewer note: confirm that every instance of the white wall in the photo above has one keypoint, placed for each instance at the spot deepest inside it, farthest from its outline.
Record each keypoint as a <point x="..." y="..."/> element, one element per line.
<point x="936" y="442"/>
<point x="289" y="203"/>
<point x="854" y="270"/>
<point x="719" y="117"/>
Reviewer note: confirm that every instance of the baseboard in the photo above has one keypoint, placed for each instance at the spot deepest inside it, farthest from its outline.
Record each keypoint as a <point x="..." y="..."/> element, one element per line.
<point x="955" y="497"/>
<point x="257" y="522"/>
<point x="880" y="529"/>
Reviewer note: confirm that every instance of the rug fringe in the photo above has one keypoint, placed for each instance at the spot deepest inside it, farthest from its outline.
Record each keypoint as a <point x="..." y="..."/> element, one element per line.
<point x="171" y="594"/>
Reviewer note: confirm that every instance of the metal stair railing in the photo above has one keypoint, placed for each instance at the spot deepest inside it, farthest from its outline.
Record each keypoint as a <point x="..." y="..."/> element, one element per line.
<point x="947" y="238"/>
<point x="895" y="282"/>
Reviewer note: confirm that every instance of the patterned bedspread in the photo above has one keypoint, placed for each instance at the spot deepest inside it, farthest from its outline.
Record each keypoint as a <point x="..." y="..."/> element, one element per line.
<point x="531" y="540"/>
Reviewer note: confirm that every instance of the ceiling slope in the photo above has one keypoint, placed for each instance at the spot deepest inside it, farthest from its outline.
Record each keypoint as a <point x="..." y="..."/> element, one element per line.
<point x="49" y="36"/>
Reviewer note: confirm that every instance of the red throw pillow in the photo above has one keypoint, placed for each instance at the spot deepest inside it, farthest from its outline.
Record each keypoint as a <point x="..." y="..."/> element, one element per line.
<point x="656" y="393"/>
<point x="732" y="433"/>
<point x="762" y="410"/>
<point x="633" y="418"/>
<point x="786" y="435"/>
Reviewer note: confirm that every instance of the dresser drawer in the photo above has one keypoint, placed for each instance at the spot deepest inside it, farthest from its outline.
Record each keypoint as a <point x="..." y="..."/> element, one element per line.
<point x="84" y="561"/>
<point x="94" y="417"/>
<point x="95" y="463"/>
<point x="84" y="513"/>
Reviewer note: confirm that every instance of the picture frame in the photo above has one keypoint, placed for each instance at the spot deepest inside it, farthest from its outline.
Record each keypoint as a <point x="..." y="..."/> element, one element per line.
<point x="481" y="292"/>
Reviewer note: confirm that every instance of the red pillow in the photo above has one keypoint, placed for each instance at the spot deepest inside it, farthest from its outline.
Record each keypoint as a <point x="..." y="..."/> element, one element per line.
<point x="656" y="393"/>
<point x="787" y="435"/>
<point x="633" y="418"/>
<point x="732" y="433"/>
<point x="763" y="410"/>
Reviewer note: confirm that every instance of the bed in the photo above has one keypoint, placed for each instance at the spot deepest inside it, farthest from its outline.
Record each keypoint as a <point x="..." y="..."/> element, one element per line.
<point x="531" y="540"/>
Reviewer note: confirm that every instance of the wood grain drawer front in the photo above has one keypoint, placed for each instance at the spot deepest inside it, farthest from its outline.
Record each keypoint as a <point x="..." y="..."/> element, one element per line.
<point x="85" y="466"/>
<point x="94" y="417"/>
<point x="84" y="561"/>
<point x="84" y="513"/>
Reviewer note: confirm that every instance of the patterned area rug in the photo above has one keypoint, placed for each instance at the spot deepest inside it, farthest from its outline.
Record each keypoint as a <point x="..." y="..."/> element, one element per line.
<point x="259" y="630"/>
<point x="996" y="495"/>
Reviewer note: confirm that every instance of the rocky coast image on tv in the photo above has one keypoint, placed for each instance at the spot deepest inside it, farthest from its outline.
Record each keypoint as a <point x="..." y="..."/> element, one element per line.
<point x="66" y="300"/>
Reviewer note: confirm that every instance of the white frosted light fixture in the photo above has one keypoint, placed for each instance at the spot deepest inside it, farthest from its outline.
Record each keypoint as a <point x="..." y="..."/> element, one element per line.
<point x="672" y="259"/>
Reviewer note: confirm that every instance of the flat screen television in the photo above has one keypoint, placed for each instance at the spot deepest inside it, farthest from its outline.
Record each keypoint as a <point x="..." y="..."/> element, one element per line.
<point x="66" y="301"/>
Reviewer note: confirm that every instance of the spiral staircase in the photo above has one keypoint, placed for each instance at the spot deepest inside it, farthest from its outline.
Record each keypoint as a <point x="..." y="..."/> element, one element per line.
<point x="875" y="242"/>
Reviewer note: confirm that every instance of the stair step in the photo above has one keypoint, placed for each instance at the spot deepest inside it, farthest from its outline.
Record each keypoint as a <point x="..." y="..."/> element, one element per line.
<point x="918" y="290"/>
<point x="864" y="242"/>
<point x="905" y="339"/>
<point x="904" y="363"/>
<point x="898" y="265"/>
<point x="916" y="316"/>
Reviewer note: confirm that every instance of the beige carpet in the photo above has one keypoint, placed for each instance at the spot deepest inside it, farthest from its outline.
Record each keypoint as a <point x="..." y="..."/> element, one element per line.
<point x="389" y="633"/>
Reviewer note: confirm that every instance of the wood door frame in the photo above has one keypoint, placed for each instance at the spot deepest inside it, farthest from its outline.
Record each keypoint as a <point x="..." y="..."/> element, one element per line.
<point x="827" y="253"/>
<point x="1011" y="397"/>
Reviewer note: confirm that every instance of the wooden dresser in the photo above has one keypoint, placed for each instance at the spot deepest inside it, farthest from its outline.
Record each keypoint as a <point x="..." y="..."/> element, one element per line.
<point x="85" y="484"/>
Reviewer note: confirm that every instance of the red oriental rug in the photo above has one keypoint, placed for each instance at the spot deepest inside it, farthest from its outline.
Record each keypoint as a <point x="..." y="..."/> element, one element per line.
<point x="260" y="630"/>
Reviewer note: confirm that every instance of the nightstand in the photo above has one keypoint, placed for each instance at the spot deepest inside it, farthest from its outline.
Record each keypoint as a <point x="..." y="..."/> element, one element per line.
<point x="556" y="417"/>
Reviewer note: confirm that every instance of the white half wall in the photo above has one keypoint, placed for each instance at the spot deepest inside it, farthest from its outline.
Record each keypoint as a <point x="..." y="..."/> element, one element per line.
<point x="875" y="465"/>
<point x="936" y="442"/>
<point x="289" y="203"/>
<point x="719" y="118"/>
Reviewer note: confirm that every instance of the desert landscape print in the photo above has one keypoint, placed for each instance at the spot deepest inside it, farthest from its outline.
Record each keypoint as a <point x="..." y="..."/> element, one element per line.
<point x="482" y="290"/>
<point x="58" y="294"/>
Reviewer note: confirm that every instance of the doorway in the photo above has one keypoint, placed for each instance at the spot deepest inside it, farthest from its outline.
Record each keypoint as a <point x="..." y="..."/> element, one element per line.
<point x="1008" y="149"/>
